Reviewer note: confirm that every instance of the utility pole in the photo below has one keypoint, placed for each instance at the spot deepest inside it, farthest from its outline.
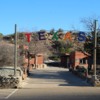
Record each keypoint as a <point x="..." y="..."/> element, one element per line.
<point x="95" y="49"/>
<point x="15" y="51"/>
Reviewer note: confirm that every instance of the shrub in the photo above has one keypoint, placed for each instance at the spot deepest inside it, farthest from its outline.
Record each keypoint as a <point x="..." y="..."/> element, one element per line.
<point x="6" y="54"/>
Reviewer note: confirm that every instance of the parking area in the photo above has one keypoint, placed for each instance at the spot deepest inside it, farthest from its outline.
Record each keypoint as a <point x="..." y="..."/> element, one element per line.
<point x="6" y="93"/>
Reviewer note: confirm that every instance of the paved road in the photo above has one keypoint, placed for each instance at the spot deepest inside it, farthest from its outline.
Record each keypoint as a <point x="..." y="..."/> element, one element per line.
<point x="53" y="83"/>
<point x="64" y="93"/>
<point x="53" y="77"/>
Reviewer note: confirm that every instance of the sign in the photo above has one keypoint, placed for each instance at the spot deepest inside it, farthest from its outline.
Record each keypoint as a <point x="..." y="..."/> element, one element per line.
<point x="81" y="37"/>
<point x="41" y="35"/>
<point x="68" y="36"/>
<point x="28" y="36"/>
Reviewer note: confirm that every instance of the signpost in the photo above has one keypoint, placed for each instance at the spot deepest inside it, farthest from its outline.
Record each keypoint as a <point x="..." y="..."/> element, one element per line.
<point x="95" y="51"/>
<point x="15" y="51"/>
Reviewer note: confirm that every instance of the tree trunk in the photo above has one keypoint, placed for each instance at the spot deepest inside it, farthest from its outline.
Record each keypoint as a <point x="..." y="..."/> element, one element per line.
<point x="35" y="61"/>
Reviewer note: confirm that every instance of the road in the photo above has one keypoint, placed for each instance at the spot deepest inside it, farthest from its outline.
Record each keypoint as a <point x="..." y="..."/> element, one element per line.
<point x="53" y="77"/>
<point x="52" y="83"/>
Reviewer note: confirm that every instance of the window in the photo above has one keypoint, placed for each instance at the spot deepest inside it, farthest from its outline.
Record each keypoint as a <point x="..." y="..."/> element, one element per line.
<point x="83" y="61"/>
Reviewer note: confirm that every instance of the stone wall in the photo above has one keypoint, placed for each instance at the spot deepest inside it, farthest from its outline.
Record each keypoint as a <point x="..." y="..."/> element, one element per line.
<point x="7" y="78"/>
<point x="9" y="82"/>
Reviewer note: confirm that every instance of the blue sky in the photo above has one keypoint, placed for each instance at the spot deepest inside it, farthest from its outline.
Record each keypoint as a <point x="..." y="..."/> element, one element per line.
<point x="33" y="15"/>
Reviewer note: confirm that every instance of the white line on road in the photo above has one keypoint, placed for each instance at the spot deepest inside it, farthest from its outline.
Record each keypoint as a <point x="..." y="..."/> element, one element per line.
<point x="2" y="97"/>
<point x="11" y="94"/>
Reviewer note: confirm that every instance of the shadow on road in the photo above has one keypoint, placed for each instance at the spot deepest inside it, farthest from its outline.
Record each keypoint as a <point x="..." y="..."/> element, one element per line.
<point x="54" y="64"/>
<point x="60" y="76"/>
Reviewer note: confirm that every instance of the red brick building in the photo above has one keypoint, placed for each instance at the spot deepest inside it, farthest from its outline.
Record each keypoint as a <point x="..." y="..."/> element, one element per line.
<point x="36" y="60"/>
<point x="79" y="58"/>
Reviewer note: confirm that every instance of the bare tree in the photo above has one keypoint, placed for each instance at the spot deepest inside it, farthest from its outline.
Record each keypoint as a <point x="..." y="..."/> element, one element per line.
<point x="6" y="54"/>
<point x="89" y="22"/>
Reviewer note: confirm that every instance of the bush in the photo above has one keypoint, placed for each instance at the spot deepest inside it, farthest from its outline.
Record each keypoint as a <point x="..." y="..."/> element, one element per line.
<point x="81" y="69"/>
<point x="6" y="54"/>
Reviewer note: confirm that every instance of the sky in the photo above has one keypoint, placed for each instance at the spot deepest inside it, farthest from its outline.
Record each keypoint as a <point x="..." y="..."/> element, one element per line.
<point x="34" y="15"/>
